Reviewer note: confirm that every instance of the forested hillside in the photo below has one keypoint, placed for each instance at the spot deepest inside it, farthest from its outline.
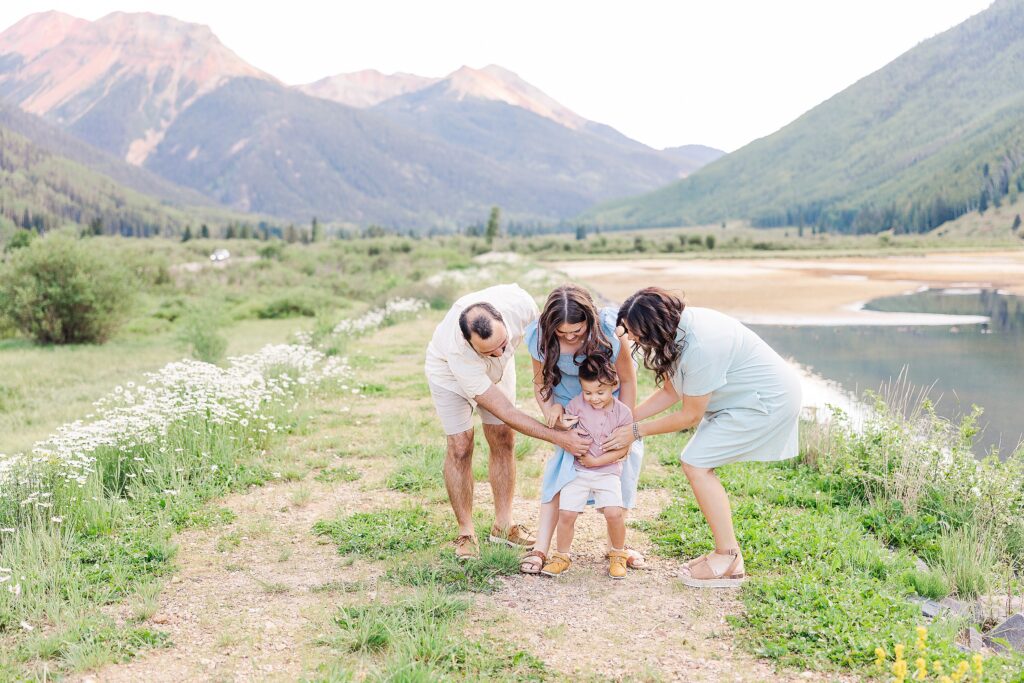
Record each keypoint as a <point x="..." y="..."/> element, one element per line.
<point x="935" y="134"/>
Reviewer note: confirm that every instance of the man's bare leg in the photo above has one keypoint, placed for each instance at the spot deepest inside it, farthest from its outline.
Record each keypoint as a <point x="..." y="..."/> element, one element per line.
<point x="501" y="471"/>
<point x="458" y="478"/>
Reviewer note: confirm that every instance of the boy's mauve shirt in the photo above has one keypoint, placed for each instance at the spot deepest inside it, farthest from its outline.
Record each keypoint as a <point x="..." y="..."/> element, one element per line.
<point x="599" y="425"/>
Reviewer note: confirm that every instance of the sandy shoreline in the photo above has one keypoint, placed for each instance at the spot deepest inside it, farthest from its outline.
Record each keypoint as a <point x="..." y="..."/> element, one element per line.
<point x="826" y="291"/>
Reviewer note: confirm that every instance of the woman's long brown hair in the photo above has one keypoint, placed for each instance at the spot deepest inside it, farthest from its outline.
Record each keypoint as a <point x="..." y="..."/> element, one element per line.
<point x="573" y="305"/>
<point x="652" y="317"/>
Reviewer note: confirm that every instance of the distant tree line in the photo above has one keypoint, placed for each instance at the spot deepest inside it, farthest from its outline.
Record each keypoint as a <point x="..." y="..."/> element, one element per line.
<point x="993" y="187"/>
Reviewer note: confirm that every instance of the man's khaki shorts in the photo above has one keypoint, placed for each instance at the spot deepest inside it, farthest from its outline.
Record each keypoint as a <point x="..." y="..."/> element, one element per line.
<point x="456" y="411"/>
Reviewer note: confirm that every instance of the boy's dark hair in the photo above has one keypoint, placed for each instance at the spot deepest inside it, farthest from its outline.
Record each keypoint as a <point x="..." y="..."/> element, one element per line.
<point x="477" y="318"/>
<point x="598" y="369"/>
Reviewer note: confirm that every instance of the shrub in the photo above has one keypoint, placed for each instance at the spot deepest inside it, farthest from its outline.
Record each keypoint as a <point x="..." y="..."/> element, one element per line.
<point x="19" y="240"/>
<point x="968" y="558"/>
<point x="200" y="331"/>
<point x="59" y="290"/>
<point x="928" y="584"/>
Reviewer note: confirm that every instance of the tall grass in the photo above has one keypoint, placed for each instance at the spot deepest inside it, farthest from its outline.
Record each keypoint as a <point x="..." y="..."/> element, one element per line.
<point x="923" y="488"/>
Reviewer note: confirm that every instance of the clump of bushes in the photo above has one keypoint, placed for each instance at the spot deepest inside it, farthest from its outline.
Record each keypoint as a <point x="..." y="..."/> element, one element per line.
<point x="200" y="331"/>
<point x="59" y="290"/>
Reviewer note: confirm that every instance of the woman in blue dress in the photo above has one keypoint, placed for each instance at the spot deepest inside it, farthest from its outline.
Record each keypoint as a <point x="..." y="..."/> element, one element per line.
<point x="569" y="329"/>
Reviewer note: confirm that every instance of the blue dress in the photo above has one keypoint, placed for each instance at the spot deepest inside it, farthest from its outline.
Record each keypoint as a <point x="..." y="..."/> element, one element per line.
<point x="560" y="469"/>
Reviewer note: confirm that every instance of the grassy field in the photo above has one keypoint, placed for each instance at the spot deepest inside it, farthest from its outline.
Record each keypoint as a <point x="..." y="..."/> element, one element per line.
<point x="308" y="539"/>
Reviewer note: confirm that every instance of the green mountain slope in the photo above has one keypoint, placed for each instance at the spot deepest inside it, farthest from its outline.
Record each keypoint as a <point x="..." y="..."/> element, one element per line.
<point x="41" y="190"/>
<point x="55" y="140"/>
<point x="936" y="133"/>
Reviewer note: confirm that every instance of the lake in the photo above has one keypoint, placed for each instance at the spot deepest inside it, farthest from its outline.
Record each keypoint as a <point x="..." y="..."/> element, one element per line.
<point x="980" y="364"/>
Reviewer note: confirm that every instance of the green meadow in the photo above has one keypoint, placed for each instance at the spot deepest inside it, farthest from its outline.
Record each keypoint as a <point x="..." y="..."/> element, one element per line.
<point x="321" y="510"/>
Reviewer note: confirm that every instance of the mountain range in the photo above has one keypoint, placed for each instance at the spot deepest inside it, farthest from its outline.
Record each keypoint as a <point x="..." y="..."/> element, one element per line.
<point x="399" y="150"/>
<point x="936" y="133"/>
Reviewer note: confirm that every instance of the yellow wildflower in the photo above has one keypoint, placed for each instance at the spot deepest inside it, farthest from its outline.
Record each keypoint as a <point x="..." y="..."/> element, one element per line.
<point x="945" y="679"/>
<point x="979" y="667"/>
<point x="899" y="670"/>
<point x="937" y="666"/>
<point x="922" y="669"/>
<point x="899" y="651"/>
<point x="880" y="656"/>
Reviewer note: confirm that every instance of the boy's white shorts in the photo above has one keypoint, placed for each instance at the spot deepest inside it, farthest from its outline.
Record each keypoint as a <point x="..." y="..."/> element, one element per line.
<point x="604" y="487"/>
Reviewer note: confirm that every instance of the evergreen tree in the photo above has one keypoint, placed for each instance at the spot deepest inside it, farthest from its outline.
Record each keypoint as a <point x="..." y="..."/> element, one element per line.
<point x="291" y="236"/>
<point x="316" y="232"/>
<point x="493" y="224"/>
<point x="709" y="241"/>
<point x="187" y="235"/>
<point x="581" y="232"/>
<point x="204" y="231"/>
<point x="1016" y="223"/>
<point x="96" y="226"/>
<point x="229" y="234"/>
<point x="245" y="232"/>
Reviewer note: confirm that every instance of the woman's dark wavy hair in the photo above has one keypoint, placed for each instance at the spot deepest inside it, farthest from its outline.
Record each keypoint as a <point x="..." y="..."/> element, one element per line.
<point x="652" y="316"/>
<point x="573" y="305"/>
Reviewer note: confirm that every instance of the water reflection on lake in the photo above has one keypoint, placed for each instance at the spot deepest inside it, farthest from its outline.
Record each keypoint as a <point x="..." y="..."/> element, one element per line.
<point x="968" y="364"/>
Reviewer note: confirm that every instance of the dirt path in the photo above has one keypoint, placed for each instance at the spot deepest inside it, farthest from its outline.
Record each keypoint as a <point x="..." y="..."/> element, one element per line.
<point x="250" y="599"/>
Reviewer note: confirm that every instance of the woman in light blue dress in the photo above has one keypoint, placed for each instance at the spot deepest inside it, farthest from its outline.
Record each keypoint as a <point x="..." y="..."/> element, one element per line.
<point x="568" y="330"/>
<point x="743" y="398"/>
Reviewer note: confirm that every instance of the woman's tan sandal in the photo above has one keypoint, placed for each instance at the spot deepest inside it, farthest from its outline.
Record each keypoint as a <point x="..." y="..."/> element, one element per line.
<point x="533" y="562"/>
<point x="557" y="566"/>
<point x="699" y="573"/>
<point x="635" y="559"/>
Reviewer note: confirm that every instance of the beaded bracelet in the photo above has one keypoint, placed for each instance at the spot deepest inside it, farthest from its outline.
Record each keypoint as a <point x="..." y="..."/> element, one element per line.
<point x="636" y="431"/>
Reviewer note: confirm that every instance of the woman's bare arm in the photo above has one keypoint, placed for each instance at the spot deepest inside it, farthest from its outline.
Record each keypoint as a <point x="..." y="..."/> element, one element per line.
<point x="550" y="408"/>
<point x="659" y="401"/>
<point x="689" y="416"/>
<point x="627" y="376"/>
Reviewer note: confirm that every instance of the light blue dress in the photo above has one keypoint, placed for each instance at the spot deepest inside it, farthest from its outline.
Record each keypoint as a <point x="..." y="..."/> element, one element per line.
<point x="755" y="401"/>
<point x="560" y="469"/>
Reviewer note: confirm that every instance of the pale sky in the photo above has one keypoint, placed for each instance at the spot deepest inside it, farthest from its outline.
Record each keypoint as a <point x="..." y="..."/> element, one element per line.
<point x="670" y="72"/>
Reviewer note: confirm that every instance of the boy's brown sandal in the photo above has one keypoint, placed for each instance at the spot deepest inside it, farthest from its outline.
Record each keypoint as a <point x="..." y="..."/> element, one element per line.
<point x="558" y="565"/>
<point x="617" y="563"/>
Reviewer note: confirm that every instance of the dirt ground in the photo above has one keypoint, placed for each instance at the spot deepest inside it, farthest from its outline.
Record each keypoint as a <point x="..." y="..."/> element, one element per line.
<point x="826" y="291"/>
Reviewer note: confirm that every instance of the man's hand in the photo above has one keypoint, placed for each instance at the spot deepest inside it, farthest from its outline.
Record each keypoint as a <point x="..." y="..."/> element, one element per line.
<point x="574" y="444"/>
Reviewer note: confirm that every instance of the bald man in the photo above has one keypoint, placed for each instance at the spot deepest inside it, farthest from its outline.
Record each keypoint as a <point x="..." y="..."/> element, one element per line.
<point x="471" y="364"/>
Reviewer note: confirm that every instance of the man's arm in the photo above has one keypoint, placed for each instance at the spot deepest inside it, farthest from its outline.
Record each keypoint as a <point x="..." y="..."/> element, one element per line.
<point x="499" y="406"/>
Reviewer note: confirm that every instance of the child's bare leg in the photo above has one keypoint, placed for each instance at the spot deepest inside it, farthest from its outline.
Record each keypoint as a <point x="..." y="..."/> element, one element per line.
<point x="615" y="517"/>
<point x="566" y="529"/>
